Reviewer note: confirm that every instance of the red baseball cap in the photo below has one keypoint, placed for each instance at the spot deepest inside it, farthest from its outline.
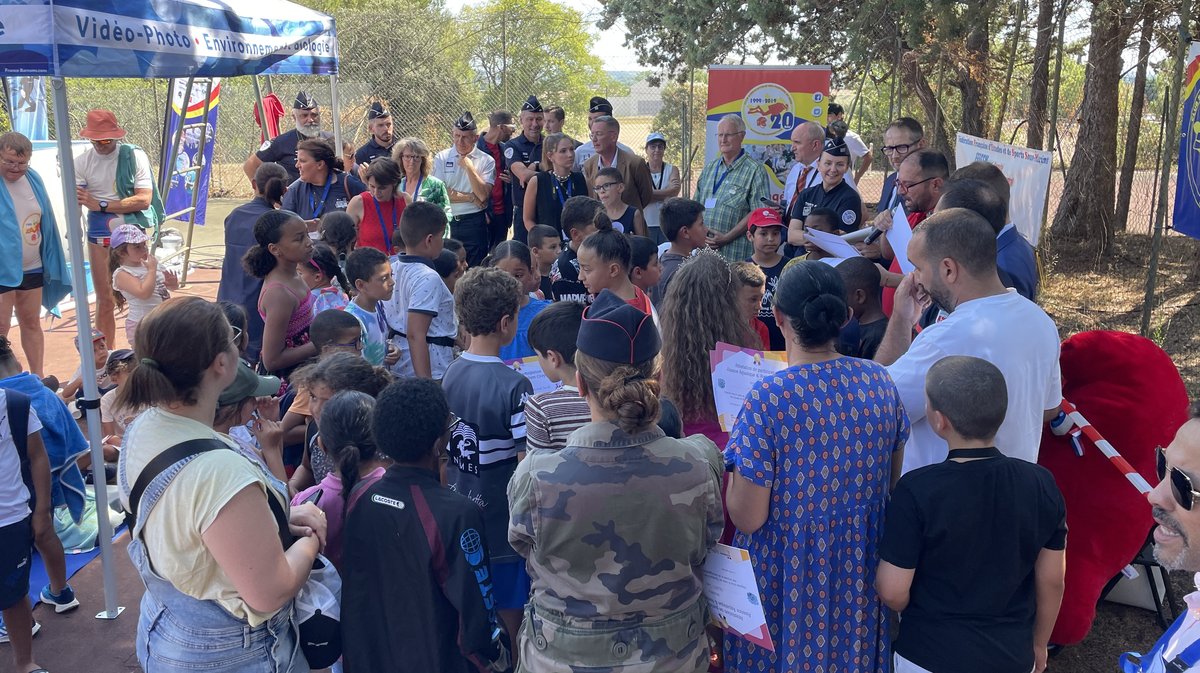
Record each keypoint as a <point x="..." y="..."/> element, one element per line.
<point x="764" y="217"/>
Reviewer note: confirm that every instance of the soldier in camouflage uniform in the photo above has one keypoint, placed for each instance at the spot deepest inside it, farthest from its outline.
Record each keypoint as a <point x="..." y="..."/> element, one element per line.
<point x="615" y="527"/>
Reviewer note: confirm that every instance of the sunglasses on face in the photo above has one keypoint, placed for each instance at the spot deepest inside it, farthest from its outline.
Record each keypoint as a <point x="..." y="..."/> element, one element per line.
<point x="1181" y="483"/>
<point x="105" y="142"/>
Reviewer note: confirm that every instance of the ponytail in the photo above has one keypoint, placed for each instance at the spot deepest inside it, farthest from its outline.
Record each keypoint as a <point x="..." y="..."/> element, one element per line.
<point x="114" y="263"/>
<point x="346" y="436"/>
<point x="258" y="260"/>
<point x="326" y="262"/>
<point x="270" y="181"/>
<point x="628" y="392"/>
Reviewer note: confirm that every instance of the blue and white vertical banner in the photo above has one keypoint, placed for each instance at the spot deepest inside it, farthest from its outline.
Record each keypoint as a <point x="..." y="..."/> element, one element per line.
<point x="27" y="103"/>
<point x="164" y="38"/>
<point x="184" y="178"/>
<point x="1186" y="218"/>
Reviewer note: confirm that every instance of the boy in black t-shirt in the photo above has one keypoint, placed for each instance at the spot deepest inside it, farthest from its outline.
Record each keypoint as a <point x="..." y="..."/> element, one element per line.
<point x="545" y="245"/>
<point x="973" y="553"/>
<point x="865" y="299"/>
<point x="766" y="233"/>
<point x="581" y="217"/>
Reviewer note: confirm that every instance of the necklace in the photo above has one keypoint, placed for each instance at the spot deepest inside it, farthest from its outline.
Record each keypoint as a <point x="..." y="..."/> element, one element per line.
<point x="561" y="178"/>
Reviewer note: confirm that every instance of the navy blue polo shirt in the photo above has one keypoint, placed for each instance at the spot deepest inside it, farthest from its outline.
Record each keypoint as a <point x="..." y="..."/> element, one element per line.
<point x="842" y="199"/>
<point x="282" y="150"/>
<point x="520" y="150"/>
<point x="371" y="151"/>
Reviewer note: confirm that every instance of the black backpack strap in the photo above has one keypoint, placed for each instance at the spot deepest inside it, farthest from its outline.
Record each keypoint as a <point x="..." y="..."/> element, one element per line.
<point x="281" y="520"/>
<point x="164" y="460"/>
<point x="17" y="408"/>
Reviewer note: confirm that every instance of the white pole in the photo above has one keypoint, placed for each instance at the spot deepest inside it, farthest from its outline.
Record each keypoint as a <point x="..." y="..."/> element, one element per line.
<point x="83" y="320"/>
<point x="335" y="102"/>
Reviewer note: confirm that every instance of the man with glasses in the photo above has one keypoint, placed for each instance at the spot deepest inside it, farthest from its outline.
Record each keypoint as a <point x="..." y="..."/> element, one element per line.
<point x="954" y="252"/>
<point x="901" y="138"/>
<point x="598" y="107"/>
<point x="635" y="172"/>
<point x="469" y="174"/>
<point x="920" y="183"/>
<point x="116" y="186"/>
<point x="30" y="234"/>
<point x="379" y="123"/>
<point x="1176" y="510"/>
<point x="731" y="186"/>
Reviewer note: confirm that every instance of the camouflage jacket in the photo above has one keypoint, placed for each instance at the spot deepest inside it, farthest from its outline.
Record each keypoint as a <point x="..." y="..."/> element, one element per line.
<point x="617" y="527"/>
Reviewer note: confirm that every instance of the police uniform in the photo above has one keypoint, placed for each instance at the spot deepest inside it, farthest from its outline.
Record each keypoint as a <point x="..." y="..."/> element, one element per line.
<point x="842" y="199"/>
<point x="372" y="150"/>
<point x="524" y="151"/>
<point x="614" y="528"/>
<point x="282" y="148"/>
<point x="468" y="221"/>
<point x="585" y="151"/>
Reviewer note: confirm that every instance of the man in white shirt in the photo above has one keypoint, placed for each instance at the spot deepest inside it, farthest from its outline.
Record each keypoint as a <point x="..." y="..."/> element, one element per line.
<point x="1177" y="512"/>
<point x="808" y="140"/>
<point x="96" y="176"/>
<point x="854" y="142"/>
<point x="598" y="107"/>
<point x="954" y="252"/>
<point x="469" y="174"/>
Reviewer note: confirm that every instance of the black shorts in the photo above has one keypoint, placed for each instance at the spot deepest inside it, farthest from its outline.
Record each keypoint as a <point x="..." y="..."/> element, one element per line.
<point x="16" y="555"/>
<point x="32" y="280"/>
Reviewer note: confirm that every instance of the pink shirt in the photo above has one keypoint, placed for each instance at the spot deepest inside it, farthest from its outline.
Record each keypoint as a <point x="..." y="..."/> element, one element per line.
<point x="333" y="505"/>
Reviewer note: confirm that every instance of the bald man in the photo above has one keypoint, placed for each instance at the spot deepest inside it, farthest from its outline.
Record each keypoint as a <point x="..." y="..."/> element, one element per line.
<point x="807" y="140"/>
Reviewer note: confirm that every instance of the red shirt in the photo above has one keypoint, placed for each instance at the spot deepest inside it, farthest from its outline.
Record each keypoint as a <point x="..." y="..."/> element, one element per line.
<point x="889" y="293"/>
<point x="640" y="301"/>
<point x="760" y="328"/>
<point x="371" y="233"/>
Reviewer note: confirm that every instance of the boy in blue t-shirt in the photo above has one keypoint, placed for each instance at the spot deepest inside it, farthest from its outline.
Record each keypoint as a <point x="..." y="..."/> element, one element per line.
<point x="487" y="443"/>
<point x="368" y="271"/>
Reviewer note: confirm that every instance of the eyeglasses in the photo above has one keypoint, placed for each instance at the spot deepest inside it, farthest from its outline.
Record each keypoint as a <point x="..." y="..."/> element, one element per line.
<point x="237" y="336"/>
<point x="19" y="165"/>
<point x="452" y="423"/>
<point x="606" y="186"/>
<point x="356" y="344"/>
<point x="1181" y="483"/>
<point x="106" y="141"/>
<point x="722" y="136"/>
<point x="410" y="157"/>
<point x="910" y="185"/>
<point x="900" y="149"/>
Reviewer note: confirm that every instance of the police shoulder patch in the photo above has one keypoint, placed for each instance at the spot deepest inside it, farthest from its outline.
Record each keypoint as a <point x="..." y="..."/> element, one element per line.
<point x="508" y="152"/>
<point x="848" y="217"/>
<point x="263" y="147"/>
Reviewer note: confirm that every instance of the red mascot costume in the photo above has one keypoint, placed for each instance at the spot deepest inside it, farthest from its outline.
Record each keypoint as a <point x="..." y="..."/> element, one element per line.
<point x="1132" y="394"/>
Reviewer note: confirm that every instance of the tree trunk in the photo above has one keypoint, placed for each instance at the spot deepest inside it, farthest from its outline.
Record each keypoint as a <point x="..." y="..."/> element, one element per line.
<point x="1039" y="85"/>
<point x="1085" y="212"/>
<point x="1136" y="106"/>
<point x="915" y="81"/>
<point x="973" y="75"/>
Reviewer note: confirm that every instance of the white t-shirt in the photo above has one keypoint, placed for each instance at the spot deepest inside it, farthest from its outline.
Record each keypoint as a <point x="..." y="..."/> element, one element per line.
<point x="29" y="219"/>
<point x="445" y="168"/>
<point x="790" y="187"/>
<point x="653" y="212"/>
<point x="375" y="329"/>
<point x="138" y="308"/>
<point x="420" y="289"/>
<point x="14" y="497"/>
<point x="174" y="529"/>
<point x="111" y="413"/>
<point x="1012" y="333"/>
<point x="99" y="172"/>
<point x="854" y="143"/>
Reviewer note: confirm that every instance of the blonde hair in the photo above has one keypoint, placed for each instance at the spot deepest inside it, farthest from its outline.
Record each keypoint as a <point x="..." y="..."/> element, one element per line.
<point x="628" y="391"/>
<point x="418" y="147"/>
<point x="550" y="146"/>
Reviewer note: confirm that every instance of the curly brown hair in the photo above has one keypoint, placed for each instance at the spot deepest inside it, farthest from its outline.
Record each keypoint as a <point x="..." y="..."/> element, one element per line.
<point x="483" y="296"/>
<point x="699" y="310"/>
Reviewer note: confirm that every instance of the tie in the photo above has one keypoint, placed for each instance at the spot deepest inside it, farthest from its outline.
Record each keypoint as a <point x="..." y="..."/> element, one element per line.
<point x="801" y="185"/>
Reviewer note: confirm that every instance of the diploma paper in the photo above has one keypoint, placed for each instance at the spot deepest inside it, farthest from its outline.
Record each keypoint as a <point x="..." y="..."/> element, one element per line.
<point x="531" y="370"/>
<point x="736" y="370"/>
<point x="733" y="597"/>
<point x="899" y="237"/>
<point x="831" y="243"/>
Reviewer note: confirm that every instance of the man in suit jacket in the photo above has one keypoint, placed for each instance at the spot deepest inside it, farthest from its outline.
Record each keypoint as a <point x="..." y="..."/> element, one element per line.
<point x="639" y="190"/>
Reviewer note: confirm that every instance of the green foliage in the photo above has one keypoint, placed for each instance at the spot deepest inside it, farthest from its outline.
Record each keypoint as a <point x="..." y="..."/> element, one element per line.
<point x="670" y="119"/>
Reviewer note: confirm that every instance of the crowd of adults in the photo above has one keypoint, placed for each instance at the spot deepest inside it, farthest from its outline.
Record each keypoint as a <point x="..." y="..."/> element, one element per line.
<point x="352" y="394"/>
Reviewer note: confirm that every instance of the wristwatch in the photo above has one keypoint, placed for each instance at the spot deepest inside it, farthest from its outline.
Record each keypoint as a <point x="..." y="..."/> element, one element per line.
<point x="104" y="206"/>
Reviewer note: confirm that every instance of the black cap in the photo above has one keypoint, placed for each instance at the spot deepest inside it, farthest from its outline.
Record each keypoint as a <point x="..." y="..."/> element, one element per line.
<point x="304" y="101"/>
<point x="465" y="123"/>
<point x="376" y="111"/>
<point x="531" y="104"/>
<point x="836" y="148"/>
<point x="614" y="331"/>
<point x="600" y="104"/>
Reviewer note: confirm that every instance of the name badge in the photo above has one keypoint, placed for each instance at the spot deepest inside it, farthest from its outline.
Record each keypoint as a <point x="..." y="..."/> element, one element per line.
<point x="341" y="204"/>
<point x="710" y="202"/>
<point x="450" y="164"/>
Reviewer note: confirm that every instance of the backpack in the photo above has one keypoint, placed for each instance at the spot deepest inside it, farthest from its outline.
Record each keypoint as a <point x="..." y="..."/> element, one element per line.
<point x="17" y="407"/>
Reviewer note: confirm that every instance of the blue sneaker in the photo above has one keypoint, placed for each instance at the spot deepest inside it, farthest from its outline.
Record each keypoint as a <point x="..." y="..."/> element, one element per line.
<point x="4" y="630"/>
<point x="63" y="602"/>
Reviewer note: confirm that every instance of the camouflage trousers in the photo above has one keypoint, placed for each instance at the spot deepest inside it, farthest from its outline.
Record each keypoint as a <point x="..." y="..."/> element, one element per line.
<point x="675" y="643"/>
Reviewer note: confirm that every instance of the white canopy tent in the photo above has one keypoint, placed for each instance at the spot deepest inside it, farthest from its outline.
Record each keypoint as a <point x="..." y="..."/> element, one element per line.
<point x="150" y="38"/>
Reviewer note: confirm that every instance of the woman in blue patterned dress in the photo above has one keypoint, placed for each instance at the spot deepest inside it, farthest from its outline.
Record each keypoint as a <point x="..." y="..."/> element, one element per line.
<point x="814" y="452"/>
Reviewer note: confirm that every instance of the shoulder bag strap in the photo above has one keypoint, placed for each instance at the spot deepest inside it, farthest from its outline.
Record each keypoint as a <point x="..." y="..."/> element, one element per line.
<point x="166" y="459"/>
<point x="17" y="407"/>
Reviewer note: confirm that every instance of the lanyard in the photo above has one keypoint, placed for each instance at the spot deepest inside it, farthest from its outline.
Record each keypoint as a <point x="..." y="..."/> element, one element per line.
<point x="661" y="176"/>
<point x="717" y="182"/>
<point x="1181" y="663"/>
<point x="387" y="238"/>
<point x="417" y="191"/>
<point x="313" y="206"/>
<point x="558" y="189"/>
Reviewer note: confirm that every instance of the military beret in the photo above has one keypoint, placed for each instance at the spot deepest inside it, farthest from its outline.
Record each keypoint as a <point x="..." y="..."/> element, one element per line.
<point x="614" y="331"/>
<point x="377" y="111"/>
<point x="600" y="104"/>
<point x="836" y="148"/>
<point x="304" y="101"/>
<point x="465" y="123"/>
<point x="531" y="104"/>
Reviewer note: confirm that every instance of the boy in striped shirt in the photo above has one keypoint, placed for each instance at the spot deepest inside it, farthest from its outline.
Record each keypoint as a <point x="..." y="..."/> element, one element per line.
<point x="551" y="417"/>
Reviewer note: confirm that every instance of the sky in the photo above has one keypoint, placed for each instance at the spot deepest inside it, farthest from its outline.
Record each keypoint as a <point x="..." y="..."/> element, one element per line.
<point x="609" y="43"/>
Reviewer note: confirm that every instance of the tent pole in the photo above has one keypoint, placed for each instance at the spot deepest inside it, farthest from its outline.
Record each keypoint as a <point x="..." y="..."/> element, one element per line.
<point x="335" y="101"/>
<point x="262" y="108"/>
<point x="164" y="138"/>
<point x="83" y="320"/>
<point x="187" y="245"/>
<point x="166" y="174"/>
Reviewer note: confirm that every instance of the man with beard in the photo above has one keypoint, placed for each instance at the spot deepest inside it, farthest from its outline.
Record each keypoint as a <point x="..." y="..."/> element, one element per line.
<point x="954" y="255"/>
<point x="282" y="148"/>
<point x="379" y="123"/>
<point x="1177" y="513"/>
<point x="499" y="208"/>
<point x="920" y="181"/>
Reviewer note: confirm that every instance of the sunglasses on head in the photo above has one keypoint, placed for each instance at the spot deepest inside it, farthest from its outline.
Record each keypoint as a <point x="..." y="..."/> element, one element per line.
<point x="1181" y="483"/>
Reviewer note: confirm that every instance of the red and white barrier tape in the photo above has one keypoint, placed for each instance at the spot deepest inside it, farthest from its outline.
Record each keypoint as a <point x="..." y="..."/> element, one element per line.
<point x="1080" y="424"/>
